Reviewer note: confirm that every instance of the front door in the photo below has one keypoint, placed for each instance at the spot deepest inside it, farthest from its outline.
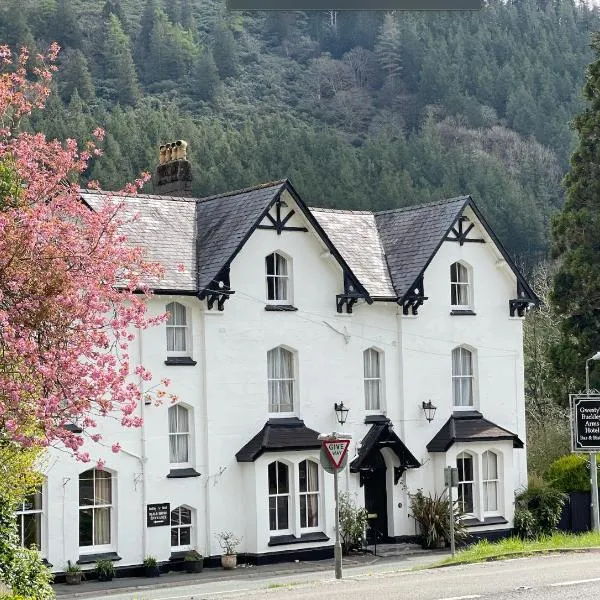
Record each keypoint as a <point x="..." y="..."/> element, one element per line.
<point x="376" y="504"/>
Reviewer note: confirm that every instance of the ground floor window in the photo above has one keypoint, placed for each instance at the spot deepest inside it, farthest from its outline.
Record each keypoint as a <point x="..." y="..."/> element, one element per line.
<point x="181" y="528"/>
<point x="95" y="508"/>
<point x="29" y="520"/>
<point x="464" y="463"/>
<point x="279" y="496"/>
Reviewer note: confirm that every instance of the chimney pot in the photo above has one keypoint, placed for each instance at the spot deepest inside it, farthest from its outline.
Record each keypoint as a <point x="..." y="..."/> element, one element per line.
<point x="173" y="175"/>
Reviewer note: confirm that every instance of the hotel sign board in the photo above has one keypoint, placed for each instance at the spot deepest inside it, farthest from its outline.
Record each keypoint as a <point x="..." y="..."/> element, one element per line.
<point x="158" y="515"/>
<point x="585" y="422"/>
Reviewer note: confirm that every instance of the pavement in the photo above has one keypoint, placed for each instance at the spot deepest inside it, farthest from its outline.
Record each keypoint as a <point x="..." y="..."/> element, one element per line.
<point x="389" y="557"/>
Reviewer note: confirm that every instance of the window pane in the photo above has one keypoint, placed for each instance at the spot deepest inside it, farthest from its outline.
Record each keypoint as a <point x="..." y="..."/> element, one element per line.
<point x="281" y="288"/>
<point x="270" y="264"/>
<point x="272" y="513"/>
<point x="171" y="311"/>
<point x="186" y="516"/>
<point x="272" y="478"/>
<point x="463" y="294"/>
<point x="453" y="294"/>
<point x="271" y="288"/>
<point x="468" y="468"/>
<point x="491" y="496"/>
<point x="456" y="361"/>
<point x="101" y="526"/>
<point x="185" y="536"/>
<point x="174" y="537"/>
<point x="180" y="314"/>
<point x="466" y="366"/>
<point x="85" y="527"/>
<point x="175" y="520"/>
<point x="103" y="488"/>
<point x="282" y="512"/>
<point x="86" y="489"/>
<point x="492" y="461"/>
<point x="302" y="476"/>
<point x="281" y="265"/>
<point x="466" y="497"/>
<point x="32" y="530"/>
<point x="312" y="502"/>
<point x="182" y="419"/>
<point x="303" y="512"/>
<point x="282" y="479"/>
<point x="313" y="476"/>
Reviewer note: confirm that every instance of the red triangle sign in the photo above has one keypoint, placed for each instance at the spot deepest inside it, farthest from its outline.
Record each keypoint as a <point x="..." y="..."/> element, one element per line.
<point x="336" y="450"/>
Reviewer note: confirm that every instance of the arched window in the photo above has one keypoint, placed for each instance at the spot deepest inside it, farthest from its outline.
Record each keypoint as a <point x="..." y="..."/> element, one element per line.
<point x="278" y="278"/>
<point x="95" y="508"/>
<point x="181" y="528"/>
<point x="462" y="377"/>
<point x="29" y="520"/>
<point x="460" y="286"/>
<point x="281" y="380"/>
<point x="308" y="475"/>
<point x="466" y="481"/>
<point x="177" y="330"/>
<point x="179" y="434"/>
<point x="372" y="362"/>
<point x="279" y="496"/>
<point x="490" y="480"/>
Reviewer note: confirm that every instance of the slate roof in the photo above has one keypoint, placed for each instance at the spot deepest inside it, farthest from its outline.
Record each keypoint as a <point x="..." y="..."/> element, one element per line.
<point x="469" y="426"/>
<point x="381" y="435"/>
<point x="279" y="435"/>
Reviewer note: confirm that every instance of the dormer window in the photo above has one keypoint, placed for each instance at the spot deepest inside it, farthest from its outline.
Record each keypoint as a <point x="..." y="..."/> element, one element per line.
<point x="460" y="286"/>
<point x="177" y="330"/>
<point x="278" y="279"/>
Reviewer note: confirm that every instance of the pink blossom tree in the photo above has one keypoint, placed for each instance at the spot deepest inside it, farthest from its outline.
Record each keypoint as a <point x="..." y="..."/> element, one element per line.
<point x="72" y="291"/>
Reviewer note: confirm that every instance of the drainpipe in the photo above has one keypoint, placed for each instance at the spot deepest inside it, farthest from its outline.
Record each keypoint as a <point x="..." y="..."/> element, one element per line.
<point x="204" y="416"/>
<point x="143" y="458"/>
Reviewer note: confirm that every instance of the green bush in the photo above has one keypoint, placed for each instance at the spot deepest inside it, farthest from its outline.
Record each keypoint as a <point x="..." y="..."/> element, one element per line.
<point x="544" y="503"/>
<point x="569" y="473"/>
<point x="353" y="520"/>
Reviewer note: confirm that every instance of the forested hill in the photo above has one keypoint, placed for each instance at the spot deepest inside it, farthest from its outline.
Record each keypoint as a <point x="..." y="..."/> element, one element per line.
<point x="360" y="109"/>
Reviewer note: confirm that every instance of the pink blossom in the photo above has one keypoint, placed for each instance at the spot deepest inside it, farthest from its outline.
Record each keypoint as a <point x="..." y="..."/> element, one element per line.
<point x="116" y="447"/>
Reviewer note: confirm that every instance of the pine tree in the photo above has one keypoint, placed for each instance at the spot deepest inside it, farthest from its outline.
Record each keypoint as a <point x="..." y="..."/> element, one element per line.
<point x="223" y="51"/>
<point x="75" y="75"/>
<point x="67" y="29"/>
<point x="206" y="77"/>
<point x="389" y="47"/>
<point x="576" y="236"/>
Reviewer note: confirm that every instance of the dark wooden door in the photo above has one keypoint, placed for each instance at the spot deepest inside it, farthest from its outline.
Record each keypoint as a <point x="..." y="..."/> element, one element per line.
<point x="376" y="504"/>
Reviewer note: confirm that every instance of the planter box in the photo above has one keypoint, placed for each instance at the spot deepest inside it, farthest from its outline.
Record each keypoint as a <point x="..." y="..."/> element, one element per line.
<point x="229" y="561"/>
<point x="194" y="566"/>
<point x="73" y="578"/>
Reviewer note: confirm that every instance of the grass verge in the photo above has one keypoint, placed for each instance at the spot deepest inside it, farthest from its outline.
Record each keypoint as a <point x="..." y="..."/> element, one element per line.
<point x="511" y="547"/>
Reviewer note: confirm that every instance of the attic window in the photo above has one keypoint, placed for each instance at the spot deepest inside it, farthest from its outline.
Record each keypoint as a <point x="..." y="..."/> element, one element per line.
<point x="278" y="274"/>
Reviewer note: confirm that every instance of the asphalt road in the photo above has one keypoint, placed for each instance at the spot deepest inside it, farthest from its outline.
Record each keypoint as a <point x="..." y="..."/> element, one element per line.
<point x="552" y="577"/>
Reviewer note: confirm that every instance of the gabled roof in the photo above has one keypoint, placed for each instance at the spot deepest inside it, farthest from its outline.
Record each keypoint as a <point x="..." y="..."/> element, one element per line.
<point x="470" y="426"/>
<point x="279" y="435"/>
<point x="381" y="435"/>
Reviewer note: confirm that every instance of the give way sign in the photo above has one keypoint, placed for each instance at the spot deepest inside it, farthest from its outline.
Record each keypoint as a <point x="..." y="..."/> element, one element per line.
<point x="336" y="450"/>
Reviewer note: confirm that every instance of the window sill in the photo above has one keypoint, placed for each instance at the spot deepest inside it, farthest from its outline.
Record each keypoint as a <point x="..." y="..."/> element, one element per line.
<point x="280" y="307"/>
<point x="282" y="540"/>
<point x="180" y="361"/>
<point x="182" y="473"/>
<point x="473" y="522"/>
<point x="88" y="559"/>
<point x="376" y="418"/>
<point x="462" y="311"/>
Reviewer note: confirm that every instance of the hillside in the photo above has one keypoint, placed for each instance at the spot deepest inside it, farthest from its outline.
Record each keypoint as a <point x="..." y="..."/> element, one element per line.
<point x="361" y="110"/>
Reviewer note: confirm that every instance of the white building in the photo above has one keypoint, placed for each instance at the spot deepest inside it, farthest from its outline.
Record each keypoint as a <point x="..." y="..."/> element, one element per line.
<point x="280" y="313"/>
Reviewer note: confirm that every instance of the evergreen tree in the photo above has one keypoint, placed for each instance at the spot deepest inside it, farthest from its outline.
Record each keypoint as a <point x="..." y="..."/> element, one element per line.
<point x="206" y="79"/>
<point x="389" y="47"/>
<point x="67" y="29"/>
<point x="576" y="235"/>
<point x="223" y="51"/>
<point x="75" y="75"/>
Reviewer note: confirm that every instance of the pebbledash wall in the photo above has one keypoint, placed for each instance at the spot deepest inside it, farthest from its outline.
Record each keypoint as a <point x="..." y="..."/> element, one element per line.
<point x="223" y="385"/>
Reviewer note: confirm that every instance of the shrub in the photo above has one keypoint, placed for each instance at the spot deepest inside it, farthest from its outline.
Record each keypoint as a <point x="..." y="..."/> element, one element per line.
<point x="353" y="520"/>
<point x="150" y="562"/>
<point x="545" y="505"/>
<point x="569" y="473"/>
<point x="432" y="515"/>
<point x="105" y="569"/>
<point x="228" y="541"/>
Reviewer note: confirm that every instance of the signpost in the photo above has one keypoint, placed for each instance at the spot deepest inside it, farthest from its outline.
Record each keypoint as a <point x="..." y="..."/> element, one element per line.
<point x="158" y="515"/>
<point x="451" y="481"/>
<point x="334" y="456"/>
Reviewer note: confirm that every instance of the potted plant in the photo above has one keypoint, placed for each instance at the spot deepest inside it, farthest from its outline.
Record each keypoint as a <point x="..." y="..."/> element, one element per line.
<point x="229" y="543"/>
<point x="194" y="561"/>
<point x="73" y="573"/>
<point x="151" y="567"/>
<point x="105" y="570"/>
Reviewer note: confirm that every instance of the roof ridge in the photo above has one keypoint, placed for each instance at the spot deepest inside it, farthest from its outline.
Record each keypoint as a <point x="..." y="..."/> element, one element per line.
<point x="147" y="196"/>
<point x="244" y="190"/>
<point x="342" y="210"/>
<point x="425" y="205"/>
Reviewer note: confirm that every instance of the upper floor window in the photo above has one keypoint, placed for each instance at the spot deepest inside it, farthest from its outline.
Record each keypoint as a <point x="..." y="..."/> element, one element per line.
<point x="181" y="528"/>
<point x="373" y="381"/>
<point x="460" y="286"/>
<point x="490" y="480"/>
<point x="308" y="474"/>
<point x="179" y="435"/>
<point x="29" y="520"/>
<point x="95" y="508"/>
<point x="466" y="481"/>
<point x="280" y="375"/>
<point x="279" y="496"/>
<point x="177" y="330"/>
<point x="462" y="377"/>
<point x="278" y="278"/>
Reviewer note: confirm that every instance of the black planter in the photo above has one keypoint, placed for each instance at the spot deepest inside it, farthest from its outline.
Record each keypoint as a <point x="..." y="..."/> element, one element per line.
<point x="152" y="571"/>
<point x="194" y="566"/>
<point x="105" y="577"/>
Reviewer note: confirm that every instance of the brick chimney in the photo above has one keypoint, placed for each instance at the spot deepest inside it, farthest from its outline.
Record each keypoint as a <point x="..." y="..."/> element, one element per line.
<point x="173" y="175"/>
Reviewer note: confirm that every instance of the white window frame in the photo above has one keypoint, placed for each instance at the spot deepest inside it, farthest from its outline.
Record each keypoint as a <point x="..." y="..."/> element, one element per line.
<point x="468" y="482"/>
<point x="304" y="495"/>
<point x="275" y="409"/>
<point x="179" y="527"/>
<point x="94" y="548"/>
<point x="186" y="327"/>
<point x="277" y="495"/>
<point x="379" y="379"/>
<point x="276" y="276"/>
<point x="179" y="434"/>
<point x="22" y="512"/>
<point x="487" y="481"/>
<point x="463" y="376"/>
<point x="456" y="282"/>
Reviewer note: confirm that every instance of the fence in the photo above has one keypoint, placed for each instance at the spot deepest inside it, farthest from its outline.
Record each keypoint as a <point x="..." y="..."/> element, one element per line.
<point x="577" y="513"/>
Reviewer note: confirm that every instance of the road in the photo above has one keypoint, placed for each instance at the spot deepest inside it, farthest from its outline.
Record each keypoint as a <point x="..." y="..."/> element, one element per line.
<point x="552" y="577"/>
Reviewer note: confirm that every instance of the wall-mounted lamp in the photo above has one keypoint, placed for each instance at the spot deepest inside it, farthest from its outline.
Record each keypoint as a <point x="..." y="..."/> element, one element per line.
<point x="429" y="410"/>
<point x="341" y="412"/>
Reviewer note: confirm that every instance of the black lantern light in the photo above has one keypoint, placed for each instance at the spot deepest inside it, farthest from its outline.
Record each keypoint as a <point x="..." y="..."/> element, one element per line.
<point x="429" y="409"/>
<point x="341" y="412"/>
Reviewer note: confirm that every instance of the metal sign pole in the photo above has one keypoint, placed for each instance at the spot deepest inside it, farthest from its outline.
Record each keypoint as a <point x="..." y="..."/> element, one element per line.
<point x="337" y="549"/>
<point x="593" y="467"/>
<point x="451" y="508"/>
